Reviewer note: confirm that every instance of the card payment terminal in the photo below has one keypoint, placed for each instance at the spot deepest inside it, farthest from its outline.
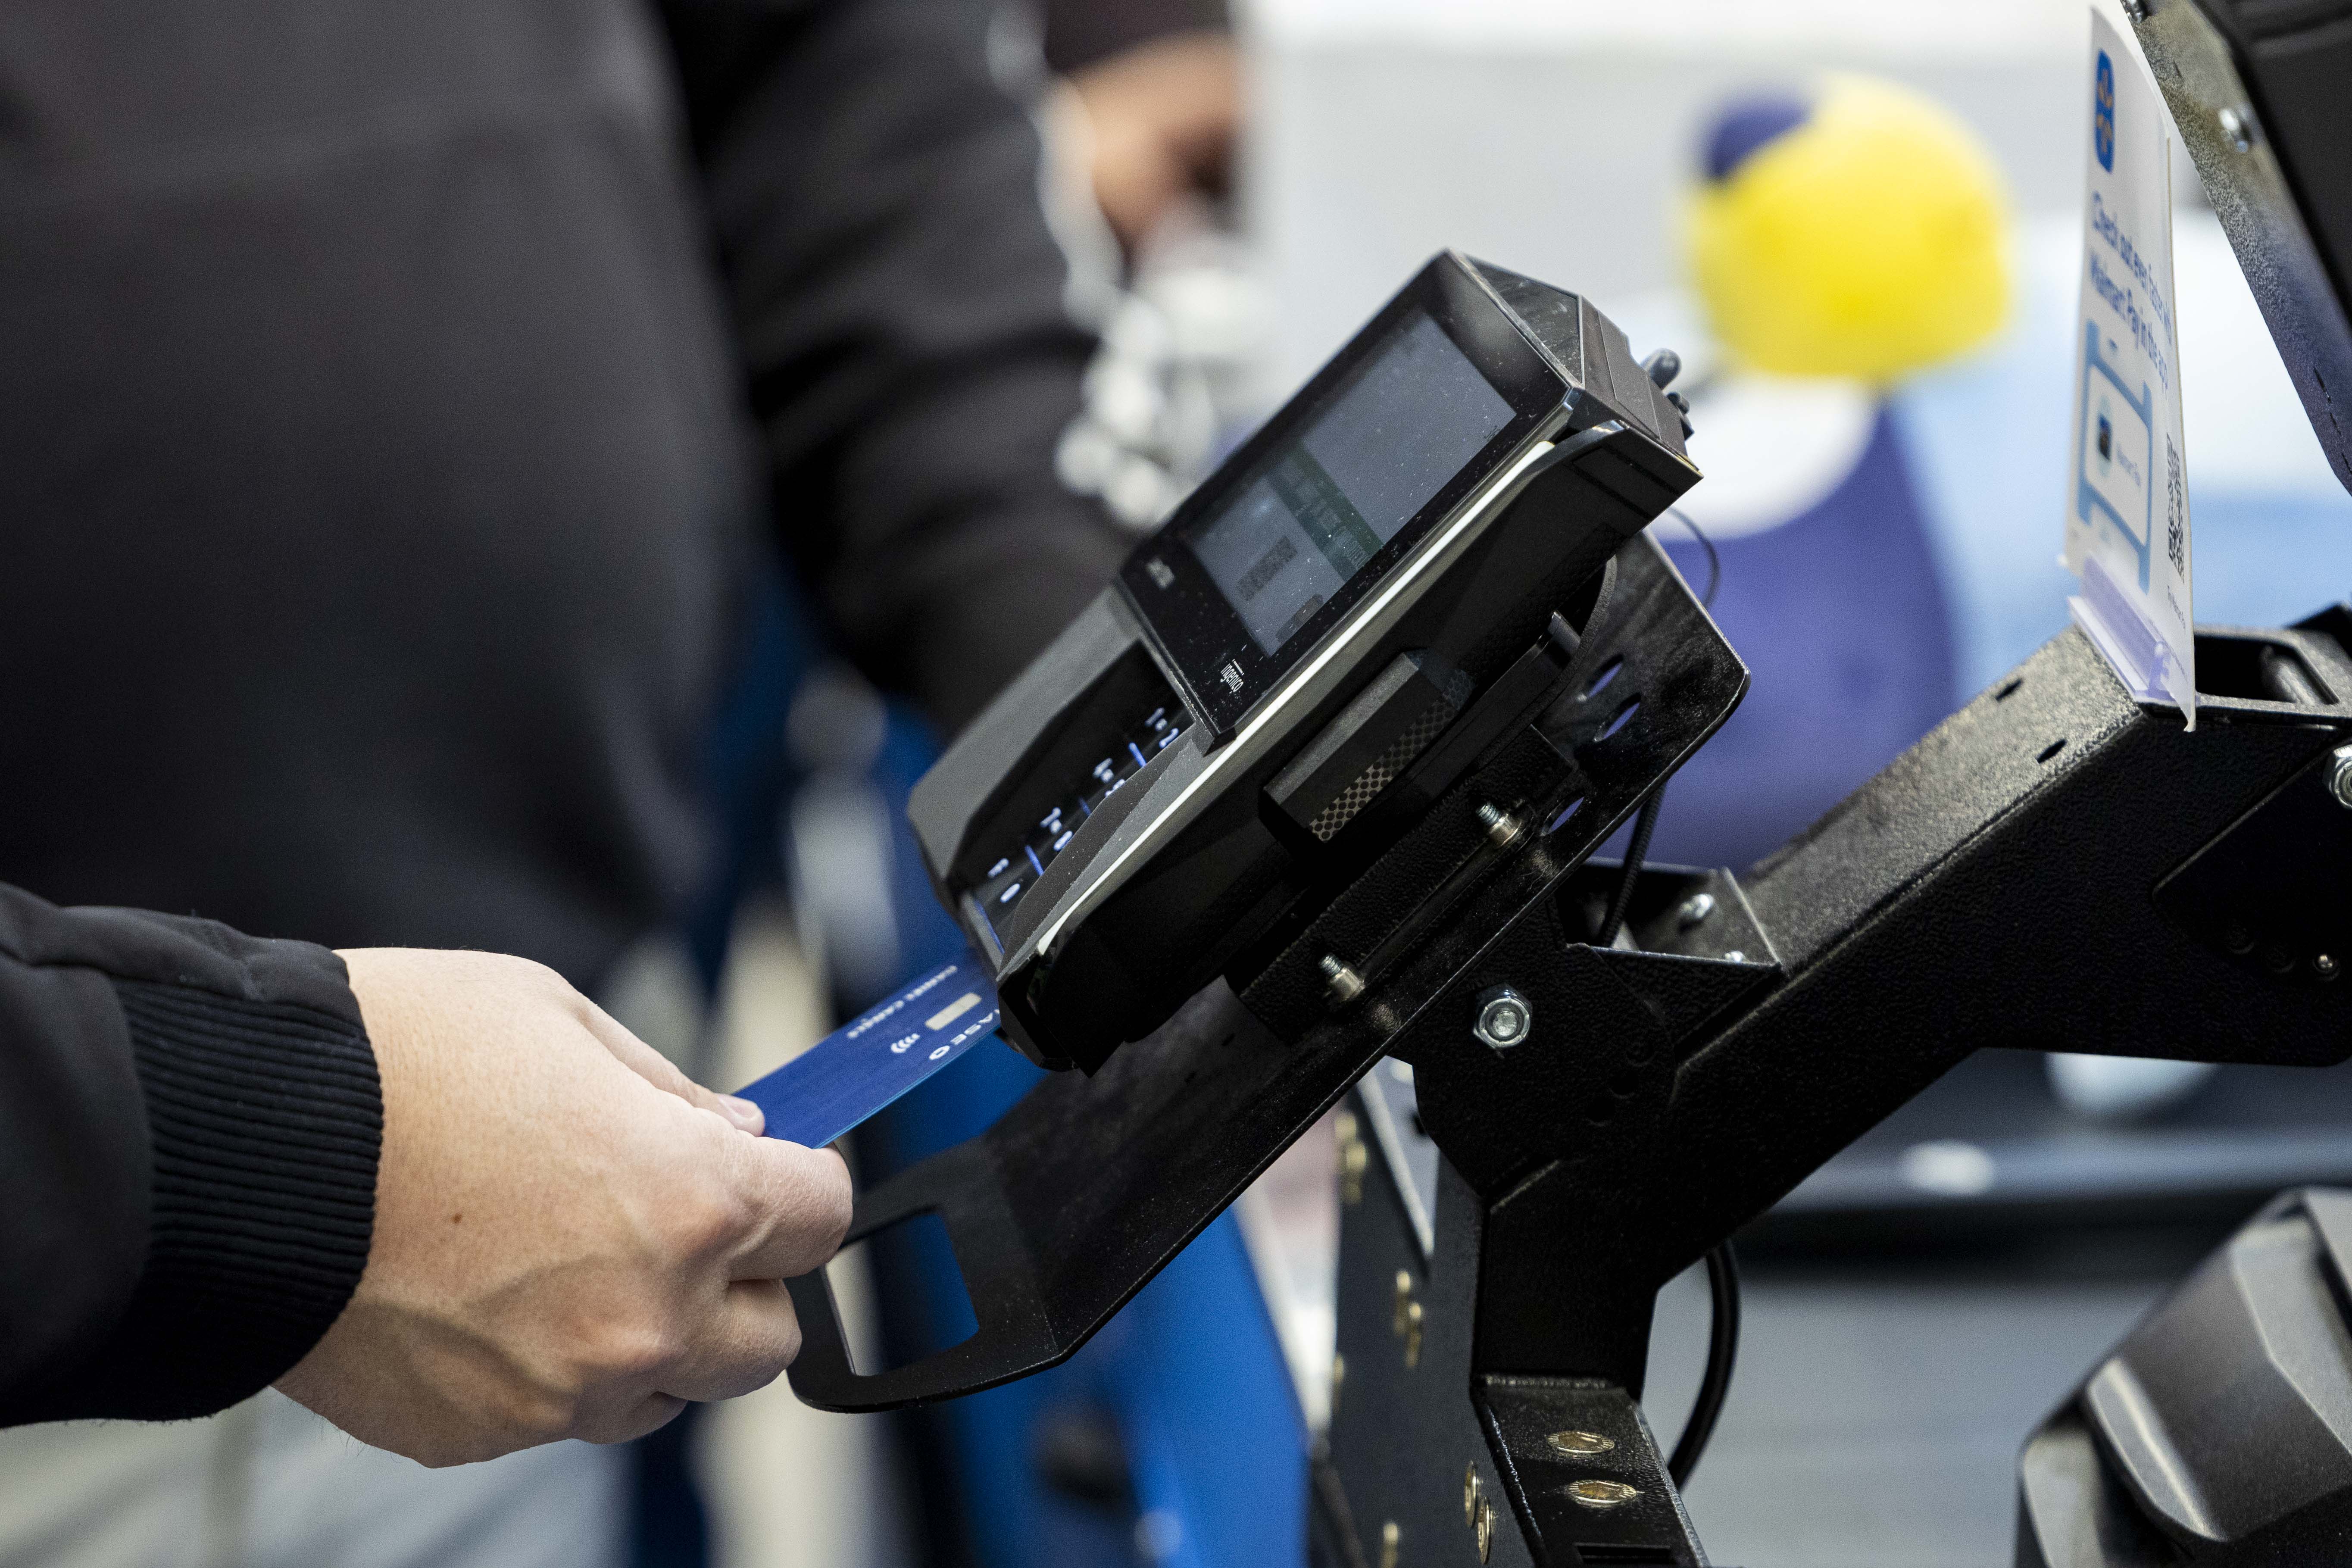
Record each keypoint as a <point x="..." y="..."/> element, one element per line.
<point x="1319" y="641"/>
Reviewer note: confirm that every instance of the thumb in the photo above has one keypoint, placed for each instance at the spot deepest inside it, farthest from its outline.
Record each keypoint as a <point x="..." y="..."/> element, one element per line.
<point x="663" y="1074"/>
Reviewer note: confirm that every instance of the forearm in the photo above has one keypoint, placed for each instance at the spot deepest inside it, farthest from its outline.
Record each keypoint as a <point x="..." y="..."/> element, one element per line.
<point x="190" y="1124"/>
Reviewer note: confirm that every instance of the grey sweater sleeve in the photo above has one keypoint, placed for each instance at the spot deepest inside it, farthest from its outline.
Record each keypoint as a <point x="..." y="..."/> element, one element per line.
<point x="898" y="299"/>
<point x="189" y="1128"/>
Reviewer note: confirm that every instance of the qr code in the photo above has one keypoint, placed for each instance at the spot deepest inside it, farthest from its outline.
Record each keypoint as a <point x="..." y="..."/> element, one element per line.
<point x="2175" y="509"/>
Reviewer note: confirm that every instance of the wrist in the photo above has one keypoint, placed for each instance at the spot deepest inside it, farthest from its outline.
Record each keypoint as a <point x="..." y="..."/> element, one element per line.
<point x="265" y="1122"/>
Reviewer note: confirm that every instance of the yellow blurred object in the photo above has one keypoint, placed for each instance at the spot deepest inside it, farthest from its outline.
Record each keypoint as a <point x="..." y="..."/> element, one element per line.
<point x="1870" y="240"/>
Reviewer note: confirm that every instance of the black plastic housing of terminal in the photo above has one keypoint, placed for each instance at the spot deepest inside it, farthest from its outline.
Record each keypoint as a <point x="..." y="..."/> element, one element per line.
<point x="1132" y="916"/>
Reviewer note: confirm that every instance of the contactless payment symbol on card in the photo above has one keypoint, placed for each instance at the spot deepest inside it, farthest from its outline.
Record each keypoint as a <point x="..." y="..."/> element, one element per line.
<point x="879" y="1055"/>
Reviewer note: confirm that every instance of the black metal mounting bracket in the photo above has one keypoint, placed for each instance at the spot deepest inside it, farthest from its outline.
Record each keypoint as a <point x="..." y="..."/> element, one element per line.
<point x="1087" y="1187"/>
<point x="2054" y="866"/>
<point x="2038" y="871"/>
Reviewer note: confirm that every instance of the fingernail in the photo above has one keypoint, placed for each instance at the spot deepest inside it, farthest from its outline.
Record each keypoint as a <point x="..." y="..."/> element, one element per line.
<point x="743" y="1113"/>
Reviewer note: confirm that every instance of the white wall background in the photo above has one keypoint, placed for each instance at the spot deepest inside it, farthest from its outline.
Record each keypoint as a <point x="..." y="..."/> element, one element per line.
<point x="1555" y="137"/>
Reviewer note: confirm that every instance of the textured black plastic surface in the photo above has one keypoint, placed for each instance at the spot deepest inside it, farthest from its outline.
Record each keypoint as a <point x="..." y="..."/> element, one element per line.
<point x="1375" y="737"/>
<point x="2220" y="1432"/>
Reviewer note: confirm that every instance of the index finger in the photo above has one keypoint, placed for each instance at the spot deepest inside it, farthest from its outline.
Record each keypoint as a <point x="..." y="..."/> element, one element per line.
<point x="664" y="1074"/>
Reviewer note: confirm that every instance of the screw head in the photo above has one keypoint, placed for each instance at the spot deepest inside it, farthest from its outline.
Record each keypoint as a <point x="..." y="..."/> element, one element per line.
<point x="2325" y="966"/>
<point x="2340" y="776"/>
<point x="1504" y="1019"/>
<point x="1580" y="1444"/>
<point x="1484" y="1529"/>
<point x="1602" y="1494"/>
<point x="1470" y="1494"/>
<point x="2238" y="127"/>
<point x="1695" y="908"/>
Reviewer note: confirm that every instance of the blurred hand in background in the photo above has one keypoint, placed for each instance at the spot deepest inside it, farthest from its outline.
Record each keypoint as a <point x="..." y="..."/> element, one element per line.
<point x="1163" y="117"/>
<point x="1160" y="85"/>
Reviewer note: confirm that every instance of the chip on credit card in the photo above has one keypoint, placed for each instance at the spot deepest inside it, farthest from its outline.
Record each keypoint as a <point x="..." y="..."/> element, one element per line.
<point x="879" y="1055"/>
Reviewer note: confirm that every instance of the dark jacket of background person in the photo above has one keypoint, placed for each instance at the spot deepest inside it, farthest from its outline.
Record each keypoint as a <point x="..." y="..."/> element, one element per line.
<point x="393" y="395"/>
<point x="1080" y="33"/>
<point x="189" y="1125"/>
<point x="395" y="391"/>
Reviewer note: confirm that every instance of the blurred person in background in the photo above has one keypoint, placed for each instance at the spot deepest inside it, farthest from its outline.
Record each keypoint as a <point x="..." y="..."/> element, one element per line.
<point x="399" y="400"/>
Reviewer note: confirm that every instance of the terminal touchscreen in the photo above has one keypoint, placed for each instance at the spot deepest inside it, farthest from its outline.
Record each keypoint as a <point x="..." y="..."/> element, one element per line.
<point x="1438" y="393"/>
<point x="1322" y="507"/>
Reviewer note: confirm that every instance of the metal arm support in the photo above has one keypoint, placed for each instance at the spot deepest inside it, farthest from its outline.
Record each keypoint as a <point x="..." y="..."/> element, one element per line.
<point x="2055" y="866"/>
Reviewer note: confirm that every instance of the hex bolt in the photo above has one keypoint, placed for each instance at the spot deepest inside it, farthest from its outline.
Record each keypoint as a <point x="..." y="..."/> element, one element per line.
<point x="1696" y="908"/>
<point x="2340" y="776"/>
<point x="1504" y="1018"/>
<point x="1341" y="980"/>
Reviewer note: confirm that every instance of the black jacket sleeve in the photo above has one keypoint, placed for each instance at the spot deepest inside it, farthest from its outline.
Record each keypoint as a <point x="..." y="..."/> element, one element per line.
<point x="189" y="1128"/>
<point x="873" y="193"/>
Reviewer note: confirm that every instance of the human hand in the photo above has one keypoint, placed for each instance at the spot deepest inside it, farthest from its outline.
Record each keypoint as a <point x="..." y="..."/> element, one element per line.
<point x="1162" y="118"/>
<point x="571" y="1239"/>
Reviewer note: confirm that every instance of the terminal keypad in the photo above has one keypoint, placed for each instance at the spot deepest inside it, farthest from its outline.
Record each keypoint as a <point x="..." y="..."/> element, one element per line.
<point x="1011" y="875"/>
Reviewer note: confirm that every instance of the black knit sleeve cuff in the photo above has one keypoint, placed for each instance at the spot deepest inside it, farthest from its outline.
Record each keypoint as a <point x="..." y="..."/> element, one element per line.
<point x="267" y="1119"/>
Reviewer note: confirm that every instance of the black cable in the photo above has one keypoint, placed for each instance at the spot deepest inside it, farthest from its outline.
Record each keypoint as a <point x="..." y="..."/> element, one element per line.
<point x="1722" y="1349"/>
<point x="1722" y="1267"/>
<point x="1637" y="849"/>
<point x="1714" y="561"/>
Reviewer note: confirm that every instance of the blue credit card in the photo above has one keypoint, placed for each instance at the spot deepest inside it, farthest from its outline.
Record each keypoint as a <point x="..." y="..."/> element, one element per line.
<point x="881" y="1053"/>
